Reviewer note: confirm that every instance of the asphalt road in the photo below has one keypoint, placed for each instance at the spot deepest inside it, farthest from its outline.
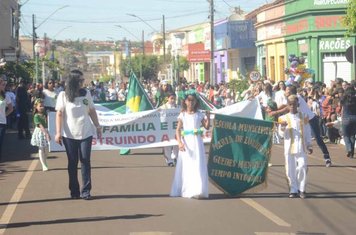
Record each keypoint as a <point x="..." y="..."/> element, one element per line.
<point x="131" y="196"/>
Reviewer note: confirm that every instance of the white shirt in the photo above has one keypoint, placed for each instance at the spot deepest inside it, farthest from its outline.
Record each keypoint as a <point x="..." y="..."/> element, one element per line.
<point x="280" y="98"/>
<point x="3" y="104"/>
<point x="112" y="94"/>
<point x="263" y="98"/>
<point x="304" y="108"/>
<point x="76" y="120"/>
<point x="49" y="98"/>
<point x="12" y="97"/>
<point x="297" y="133"/>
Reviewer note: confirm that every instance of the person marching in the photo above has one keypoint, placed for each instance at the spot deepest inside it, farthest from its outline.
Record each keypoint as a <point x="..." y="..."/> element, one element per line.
<point x="294" y="127"/>
<point x="40" y="136"/>
<point x="170" y="152"/>
<point x="77" y="121"/>
<point x="191" y="174"/>
<point x="6" y="109"/>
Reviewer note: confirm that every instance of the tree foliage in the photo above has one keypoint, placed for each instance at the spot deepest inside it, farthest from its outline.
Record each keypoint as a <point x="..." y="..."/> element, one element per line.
<point x="150" y="66"/>
<point x="350" y="19"/>
<point x="13" y="71"/>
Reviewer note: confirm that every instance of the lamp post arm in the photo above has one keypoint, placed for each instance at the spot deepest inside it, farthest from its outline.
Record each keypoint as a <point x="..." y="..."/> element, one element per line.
<point x="51" y="15"/>
<point x="119" y="26"/>
<point x="133" y="15"/>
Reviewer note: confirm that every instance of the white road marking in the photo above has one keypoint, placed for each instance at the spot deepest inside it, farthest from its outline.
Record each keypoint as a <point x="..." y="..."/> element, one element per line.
<point x="268" y="214"/>
<point x="16" y="197"/>
<point x="271" y="233"/>
<point x="151" y="233"/>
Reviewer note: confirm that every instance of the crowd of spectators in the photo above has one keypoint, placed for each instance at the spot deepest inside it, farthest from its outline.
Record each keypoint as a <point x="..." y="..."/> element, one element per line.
<point x="324" y="101"/>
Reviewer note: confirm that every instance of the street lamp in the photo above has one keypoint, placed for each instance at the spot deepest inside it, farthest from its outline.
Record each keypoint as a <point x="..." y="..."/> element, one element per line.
<point x="111" y="38"/>
<point x="143" y="46"/>
<point x="37" y="52"/>
<point x="119" y="26"/>
<point x="145" y="22"/>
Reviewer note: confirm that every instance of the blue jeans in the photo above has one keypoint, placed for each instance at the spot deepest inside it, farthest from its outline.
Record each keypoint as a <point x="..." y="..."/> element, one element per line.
<point x="349" y="131"/>
<point x="79" y="150"/>
<point x="2" y="136"/>
<point x="314" y="125"/>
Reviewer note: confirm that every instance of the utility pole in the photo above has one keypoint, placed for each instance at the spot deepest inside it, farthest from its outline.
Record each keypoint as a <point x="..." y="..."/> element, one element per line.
<point x="212" y="79"/>
<point x="17" y="32"/>
<point x="34" y="36"/>
<point x="164" y="38"/>
<point x="143" y="54"/>
<point x="143" y="42"/>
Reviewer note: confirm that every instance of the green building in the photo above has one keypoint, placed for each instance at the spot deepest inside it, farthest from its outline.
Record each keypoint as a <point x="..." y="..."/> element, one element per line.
<point x="309" y="28"/>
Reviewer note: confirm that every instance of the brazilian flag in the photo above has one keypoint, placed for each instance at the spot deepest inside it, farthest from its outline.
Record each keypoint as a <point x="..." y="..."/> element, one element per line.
<point x="137" y="99"/>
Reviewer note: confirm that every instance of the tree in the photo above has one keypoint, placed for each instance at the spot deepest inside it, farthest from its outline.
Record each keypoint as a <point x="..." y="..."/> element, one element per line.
<point x="237" y="86"/>
<point x="150" y="66"/>
<point x="183" y="63"/>
<point x="350" y="19"/>
<point x="13" y="71"/>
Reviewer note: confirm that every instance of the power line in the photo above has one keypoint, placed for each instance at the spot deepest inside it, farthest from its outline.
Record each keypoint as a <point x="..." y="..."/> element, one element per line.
<point x="119" y="22"/>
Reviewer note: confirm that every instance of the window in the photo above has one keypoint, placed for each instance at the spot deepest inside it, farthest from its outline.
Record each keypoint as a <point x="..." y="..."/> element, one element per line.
<point x="272" y="68"/>
<point x="281" y="68"/>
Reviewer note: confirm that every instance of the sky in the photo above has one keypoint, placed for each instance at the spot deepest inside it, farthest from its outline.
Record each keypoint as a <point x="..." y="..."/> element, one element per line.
<point x="99" y="19"/>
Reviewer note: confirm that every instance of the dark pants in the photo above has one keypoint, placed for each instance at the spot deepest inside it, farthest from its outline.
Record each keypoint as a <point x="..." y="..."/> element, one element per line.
<point x="79" y="150"/>
<point x="2" y="136"/>
<point x="23" y="125"/>
<point x="349" y="131"/>
<point x="11" y="119"/>
<point x="314" y="125"/>
<point x="333" y="134"/>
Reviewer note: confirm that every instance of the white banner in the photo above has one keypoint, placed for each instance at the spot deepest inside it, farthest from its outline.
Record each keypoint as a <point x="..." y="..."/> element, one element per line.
<point x="147" y="129"/>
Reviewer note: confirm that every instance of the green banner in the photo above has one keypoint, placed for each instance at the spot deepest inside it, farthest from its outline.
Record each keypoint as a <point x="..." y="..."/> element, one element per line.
<point x="239" y="153"/>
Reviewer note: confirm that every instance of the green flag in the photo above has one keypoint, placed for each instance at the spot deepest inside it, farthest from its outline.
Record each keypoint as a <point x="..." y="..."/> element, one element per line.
<point x="137" y="99"/>
<point x="239" y="153"/>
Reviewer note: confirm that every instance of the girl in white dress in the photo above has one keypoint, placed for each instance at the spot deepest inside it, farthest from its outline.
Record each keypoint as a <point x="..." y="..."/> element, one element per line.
<point x="191" y="175"/>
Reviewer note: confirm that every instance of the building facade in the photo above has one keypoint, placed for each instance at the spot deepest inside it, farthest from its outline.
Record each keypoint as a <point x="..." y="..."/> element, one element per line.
<point x="314" y="30"/>
<point x="235" y="50"/>
<point x="309" y="28"/>
<point x="9" y="28"/>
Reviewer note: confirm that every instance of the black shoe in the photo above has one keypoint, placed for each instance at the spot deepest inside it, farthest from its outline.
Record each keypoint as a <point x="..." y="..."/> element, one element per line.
<point x="171" y="164"/>
<point x="293" y="195"/>
<point x="350" y="154"/>
<point x="75" y="197"/>
<point x="328" y="163"/>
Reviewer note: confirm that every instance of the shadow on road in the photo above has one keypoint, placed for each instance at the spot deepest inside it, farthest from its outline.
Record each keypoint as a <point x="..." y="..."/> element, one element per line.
<point x="319" y="195"/>
<point x="97" y="197"/>
<point x="79" y="220"/>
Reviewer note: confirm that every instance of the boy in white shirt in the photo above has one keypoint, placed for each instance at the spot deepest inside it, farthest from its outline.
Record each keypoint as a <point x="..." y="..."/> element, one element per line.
<point x="294" y="126"/>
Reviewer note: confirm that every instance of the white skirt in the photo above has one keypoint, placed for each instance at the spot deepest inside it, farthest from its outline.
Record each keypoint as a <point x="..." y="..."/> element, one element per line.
<point x="39" y="138"/>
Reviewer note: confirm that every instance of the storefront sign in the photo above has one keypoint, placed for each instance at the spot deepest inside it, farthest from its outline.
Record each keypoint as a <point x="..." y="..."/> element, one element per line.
<point x="336" y="44"/>
<point x="197" y="53"/>
<point x="297" y="26"/>
<point x="329" y="2"/>
<point x="328" y="22"/>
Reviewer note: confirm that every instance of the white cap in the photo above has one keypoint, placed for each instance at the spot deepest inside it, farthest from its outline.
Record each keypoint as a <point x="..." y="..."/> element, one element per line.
<point x="164" y="82"/>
